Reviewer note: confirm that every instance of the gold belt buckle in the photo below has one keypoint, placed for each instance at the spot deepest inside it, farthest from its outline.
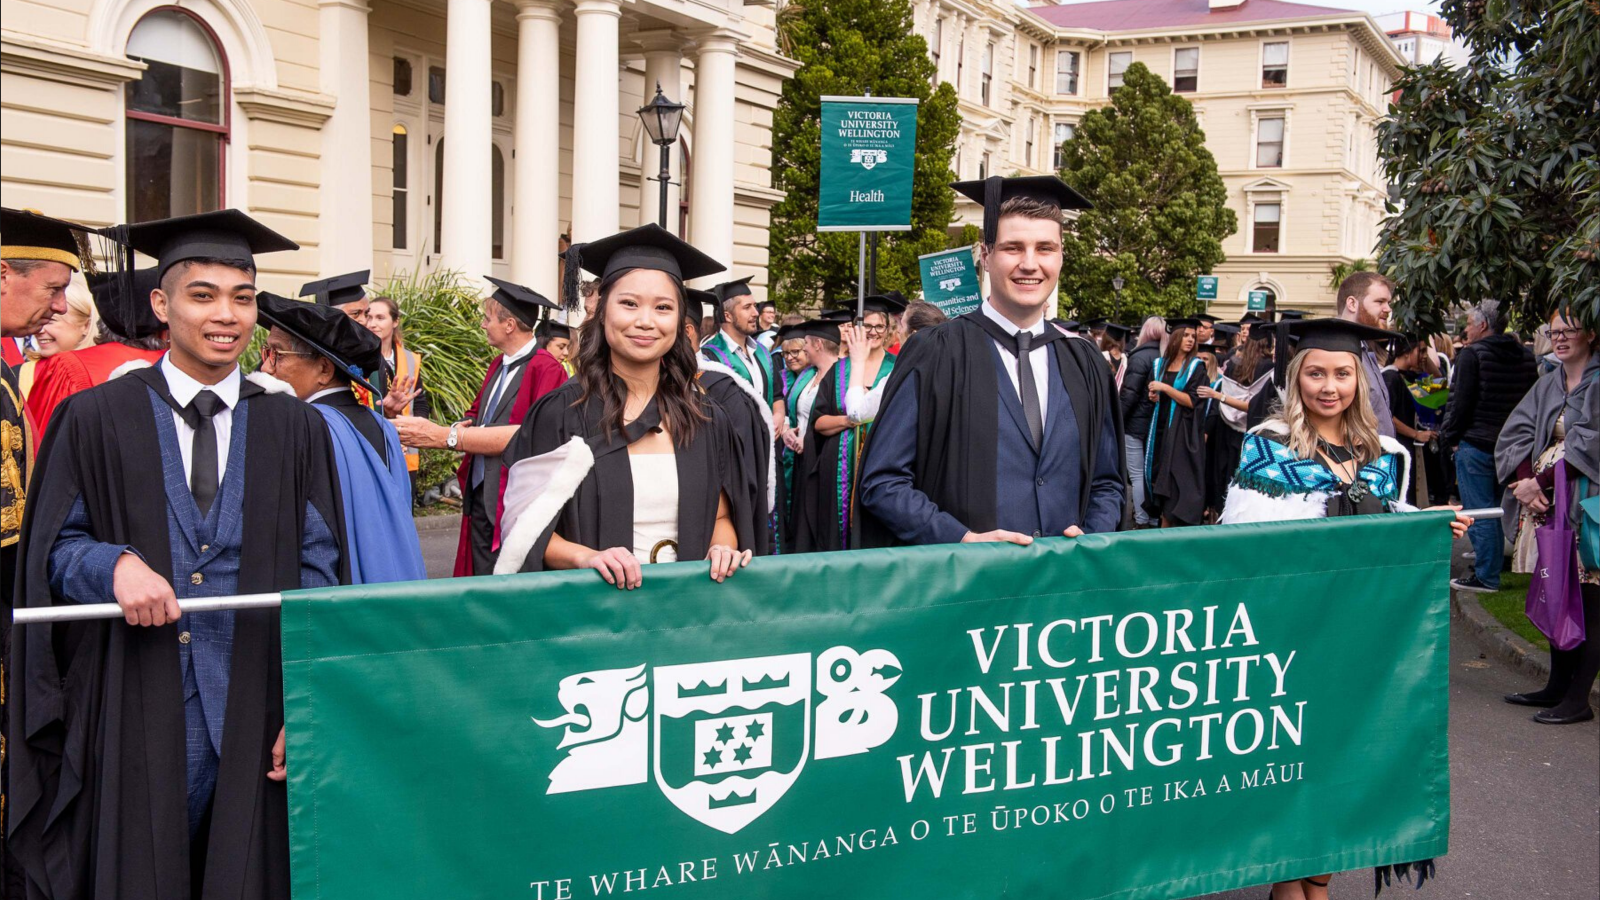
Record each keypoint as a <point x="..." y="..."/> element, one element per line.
<point x="656" y="550"/>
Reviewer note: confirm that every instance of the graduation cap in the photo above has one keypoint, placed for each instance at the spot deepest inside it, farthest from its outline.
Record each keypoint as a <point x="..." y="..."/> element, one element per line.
<point x="1339" y="335"/>
<point x="646" y="247"/>
<point x="993" y="191"/>
<point x="1226" y="328"/>
<point x="551" y="329"/>
<point x="1175" y="324"/>
<point x="225" y="234"/>
<point x="708" y="304"/>
<point x="1252" y="319"/>
<point x="523" y="304"/>
<point x="1070" y="324"/>
<point x="1096" y="324"/>
<point x="824" y="329"/>
<point x="1117" y="332"/>
<point x="30" y="235"/>
<point x="329" y="333"/>
<point x="1290" y="315"/>
<point x="340" y="289"/>
<point x="1206" y="318"/>
<point x="730" y="289"/>
<point x="124" y="304"/>
<point x="889" y="303"/>
<point x="1207" y="347"/>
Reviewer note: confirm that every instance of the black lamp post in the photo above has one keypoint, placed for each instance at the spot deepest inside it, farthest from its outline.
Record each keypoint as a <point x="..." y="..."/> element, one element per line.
<point x="1116" y="285"/>
<point x="661" y="119"/>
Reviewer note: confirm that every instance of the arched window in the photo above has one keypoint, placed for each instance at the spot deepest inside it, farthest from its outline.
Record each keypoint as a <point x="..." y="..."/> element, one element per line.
<point x="402" y="185"/>
<point x="683" y="193"/>
<point x="497" y="203"/>
<point x="438" y="195"/>
<point x="177" y="132"/>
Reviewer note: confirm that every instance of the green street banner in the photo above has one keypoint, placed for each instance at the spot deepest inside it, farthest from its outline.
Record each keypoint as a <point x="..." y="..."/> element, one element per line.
<point x="869" y="156"/>
<point x="1205" y="287"/>
<point x="950" y="281"/>
<point x="1256" y="301"/>
<point x="1111" y="717"/>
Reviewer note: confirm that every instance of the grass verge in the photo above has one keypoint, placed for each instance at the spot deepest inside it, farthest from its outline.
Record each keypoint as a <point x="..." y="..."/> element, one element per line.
<point x="1507" y="606"/>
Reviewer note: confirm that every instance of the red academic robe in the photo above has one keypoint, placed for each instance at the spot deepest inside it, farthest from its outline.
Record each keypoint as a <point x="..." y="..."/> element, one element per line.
<point x="13" y="355"/>
<point x="64" y="374"/>
<point x="544" y="375"/>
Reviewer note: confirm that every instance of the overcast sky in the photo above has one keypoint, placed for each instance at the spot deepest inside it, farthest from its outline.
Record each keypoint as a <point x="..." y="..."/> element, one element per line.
<point x="1376" y="7"/>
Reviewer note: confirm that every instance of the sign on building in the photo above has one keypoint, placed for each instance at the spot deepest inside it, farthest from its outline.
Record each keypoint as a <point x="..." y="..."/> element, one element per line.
<point x="1256" y="302"/>
<point x="868" y="160"/>
<point x="1206" y="287"/>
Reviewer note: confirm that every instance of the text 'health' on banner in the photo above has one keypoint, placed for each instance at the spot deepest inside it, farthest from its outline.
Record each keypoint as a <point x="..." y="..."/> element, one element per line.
<point x="869" y="158"/>
<point x="948" y="721"/>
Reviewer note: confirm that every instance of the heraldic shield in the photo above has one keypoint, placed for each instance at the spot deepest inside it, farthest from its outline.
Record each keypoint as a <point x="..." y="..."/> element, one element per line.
<point x="731" y="736"/>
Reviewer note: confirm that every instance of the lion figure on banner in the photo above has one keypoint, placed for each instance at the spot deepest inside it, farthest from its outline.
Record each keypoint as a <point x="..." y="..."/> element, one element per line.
<point x="607" y="730"/>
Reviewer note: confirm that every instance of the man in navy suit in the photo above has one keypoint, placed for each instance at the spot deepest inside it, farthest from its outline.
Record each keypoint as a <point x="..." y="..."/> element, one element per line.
<point x="996" y="426"/>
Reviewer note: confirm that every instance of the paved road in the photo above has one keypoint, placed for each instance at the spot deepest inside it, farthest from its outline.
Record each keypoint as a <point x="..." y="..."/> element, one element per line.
<point x="1525" y="798"/>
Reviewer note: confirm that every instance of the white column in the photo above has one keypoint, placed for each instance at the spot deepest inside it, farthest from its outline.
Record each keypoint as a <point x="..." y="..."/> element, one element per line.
<point x="663" y="65"/>
<point x="536" y="223"/>
<point x="347" y="189"/>
<point x="595" y="199"/>
<point x="711" y="188"/>
<point x="468" y="129"/>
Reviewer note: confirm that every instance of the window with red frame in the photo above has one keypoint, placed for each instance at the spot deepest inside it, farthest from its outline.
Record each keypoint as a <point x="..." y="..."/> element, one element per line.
<point x="177" y="128"/>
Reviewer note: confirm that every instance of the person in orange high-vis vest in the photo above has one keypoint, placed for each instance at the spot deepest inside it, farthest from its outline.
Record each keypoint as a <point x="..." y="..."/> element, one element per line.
<point x="401" y="375"/>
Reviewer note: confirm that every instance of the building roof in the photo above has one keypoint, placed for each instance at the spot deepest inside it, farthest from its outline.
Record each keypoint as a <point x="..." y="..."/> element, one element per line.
<point x="1132" y="15"/>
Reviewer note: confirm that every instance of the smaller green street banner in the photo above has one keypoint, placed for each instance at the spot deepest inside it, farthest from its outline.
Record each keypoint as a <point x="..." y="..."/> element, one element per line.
<point x="1205" y="287"/>
<point x="869" y="155"/>
<point x="1107" y="717"/>
<point x="1256" y="301"/>
<point x="950" y="281"/>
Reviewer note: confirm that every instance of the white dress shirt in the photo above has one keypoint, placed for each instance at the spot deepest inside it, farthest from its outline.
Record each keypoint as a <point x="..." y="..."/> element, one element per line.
<point x="1036" y="358"/>
<point x="747" y="351"/>
<point x="497" y="390"/>
<point x="184" y="389"/>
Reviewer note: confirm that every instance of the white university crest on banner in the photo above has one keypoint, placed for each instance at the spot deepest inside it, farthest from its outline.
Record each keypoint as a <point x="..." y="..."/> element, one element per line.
<point x="869" y="158"/>
<point x="728" y="738"/>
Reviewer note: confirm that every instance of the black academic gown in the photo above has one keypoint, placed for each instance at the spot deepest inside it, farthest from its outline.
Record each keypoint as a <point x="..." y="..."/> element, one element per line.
<point x="958" y="425"/>
<point x="753" y="425"/>
<point x="1177" y="448"/>
<point x="361" y="419"/>
<point x="1223" y="444"/>
<point x="817" y="524"/>
<point x="16" y="452"/>
<point x="99" y="798"/>
<point x="715" y="462"/>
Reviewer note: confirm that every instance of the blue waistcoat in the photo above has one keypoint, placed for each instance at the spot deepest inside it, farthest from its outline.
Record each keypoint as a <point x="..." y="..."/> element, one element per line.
<point x="205" y="563"/>
<point x="1036" y="492"/>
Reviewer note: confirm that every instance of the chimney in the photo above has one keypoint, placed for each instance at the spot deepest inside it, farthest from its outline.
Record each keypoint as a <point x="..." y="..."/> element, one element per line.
<point x="1219" y="5"/>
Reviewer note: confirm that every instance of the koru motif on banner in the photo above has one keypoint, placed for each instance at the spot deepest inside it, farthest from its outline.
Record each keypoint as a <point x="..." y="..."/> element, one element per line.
<point x="728" y="738"/>
<point x="868" y="158"/>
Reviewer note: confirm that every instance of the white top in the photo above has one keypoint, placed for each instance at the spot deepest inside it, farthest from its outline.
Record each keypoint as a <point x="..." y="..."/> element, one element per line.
<point x="746" y="352"/>
<point x="502" y="375"/>
<point x="1041" y="365"/>
<point x="655" y="504"/>
<point x="861" y="404"/>
<point x="184" y="389"/>
<point x="808" y="399"/>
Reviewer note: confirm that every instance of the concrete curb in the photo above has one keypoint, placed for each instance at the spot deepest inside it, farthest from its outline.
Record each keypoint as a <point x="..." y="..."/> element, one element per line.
<point x="439" y="523"/>
<point x="1506" y="645"/>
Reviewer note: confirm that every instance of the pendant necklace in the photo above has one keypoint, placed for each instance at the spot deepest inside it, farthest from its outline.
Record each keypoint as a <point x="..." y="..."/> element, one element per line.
<point x="1357" y="490"/>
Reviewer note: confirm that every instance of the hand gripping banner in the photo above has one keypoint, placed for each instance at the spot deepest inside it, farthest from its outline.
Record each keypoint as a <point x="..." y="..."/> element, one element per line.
<point x="1156" y="714"/>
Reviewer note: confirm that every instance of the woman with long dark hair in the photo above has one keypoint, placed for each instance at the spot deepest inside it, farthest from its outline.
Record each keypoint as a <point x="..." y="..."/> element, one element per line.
<point x="631" y="462"/>
<point x="1176" y="449"/>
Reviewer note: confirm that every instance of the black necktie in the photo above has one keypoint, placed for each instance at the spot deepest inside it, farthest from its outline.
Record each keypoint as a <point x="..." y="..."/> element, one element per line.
<point x="1028" y="391"/>
<point x="203" y="451"/>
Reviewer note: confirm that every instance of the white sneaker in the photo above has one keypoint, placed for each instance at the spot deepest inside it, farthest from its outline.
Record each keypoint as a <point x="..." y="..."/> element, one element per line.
<point x="1469" y="555"/>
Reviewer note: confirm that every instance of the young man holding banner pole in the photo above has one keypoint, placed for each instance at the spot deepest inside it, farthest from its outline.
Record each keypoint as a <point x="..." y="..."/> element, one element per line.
<point x="945" y="464"/>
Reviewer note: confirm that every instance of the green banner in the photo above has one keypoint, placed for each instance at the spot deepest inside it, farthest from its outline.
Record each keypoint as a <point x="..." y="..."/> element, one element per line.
<point x="1256" y="301"/>
<point x="869" y="157"/>
<point x="1115" y="716"/>
<point x="950" y="281"/>
<point x="1205" y="287"/>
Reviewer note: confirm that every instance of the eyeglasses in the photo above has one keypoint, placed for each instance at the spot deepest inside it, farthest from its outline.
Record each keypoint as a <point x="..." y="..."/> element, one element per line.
<point x="270" y="352"/>
<point x="875" y="329"/>
<point x="1561" y="334"/>
<point x="797" y="352"/>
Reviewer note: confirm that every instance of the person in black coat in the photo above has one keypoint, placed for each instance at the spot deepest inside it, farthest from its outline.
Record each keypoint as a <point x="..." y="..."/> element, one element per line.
<point x="1137" y="410"/>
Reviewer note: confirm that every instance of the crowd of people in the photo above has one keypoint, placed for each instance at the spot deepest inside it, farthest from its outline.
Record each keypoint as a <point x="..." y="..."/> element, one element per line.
<point x="670" y="424"/>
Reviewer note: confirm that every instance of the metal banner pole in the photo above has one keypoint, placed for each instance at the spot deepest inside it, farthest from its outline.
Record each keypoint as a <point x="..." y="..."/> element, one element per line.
<point x="76" y="612"/>
<point x="861" y="280"/>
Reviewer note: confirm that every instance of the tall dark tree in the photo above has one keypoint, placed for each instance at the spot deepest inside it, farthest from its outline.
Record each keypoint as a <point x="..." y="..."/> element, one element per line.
<point x="848" y="48"/>
<point x="1494" y="162"/>
<point x="1161" y="210"/>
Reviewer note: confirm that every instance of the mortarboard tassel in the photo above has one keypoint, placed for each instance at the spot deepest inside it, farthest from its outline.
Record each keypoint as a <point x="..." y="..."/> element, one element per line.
<point x="993" y="187"/>
<point x="571" y="276"/>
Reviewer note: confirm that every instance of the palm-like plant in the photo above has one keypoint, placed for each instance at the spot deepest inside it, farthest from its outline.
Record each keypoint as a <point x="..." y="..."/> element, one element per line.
<point x="440" y="316"/>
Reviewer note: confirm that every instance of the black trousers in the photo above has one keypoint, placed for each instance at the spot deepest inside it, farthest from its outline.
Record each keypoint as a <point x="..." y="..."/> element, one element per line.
<point x="483" y="508"/>
<point x="1572" y="672"/>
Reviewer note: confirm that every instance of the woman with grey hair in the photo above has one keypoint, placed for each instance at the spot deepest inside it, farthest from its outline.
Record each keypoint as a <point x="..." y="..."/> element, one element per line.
<point x="1556" y="420"/>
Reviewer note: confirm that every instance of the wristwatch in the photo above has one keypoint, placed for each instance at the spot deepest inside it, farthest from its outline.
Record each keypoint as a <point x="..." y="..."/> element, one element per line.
<point x="453" y="437"/>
